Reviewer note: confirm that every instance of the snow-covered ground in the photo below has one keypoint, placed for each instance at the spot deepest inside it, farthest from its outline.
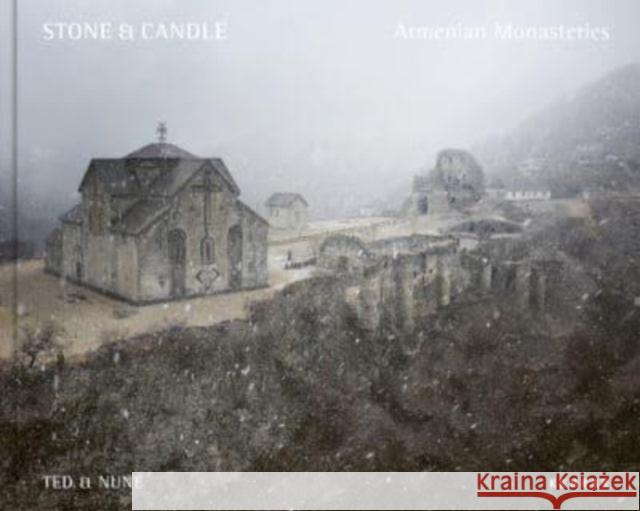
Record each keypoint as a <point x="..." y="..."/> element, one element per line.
<point x="90" y="318"/>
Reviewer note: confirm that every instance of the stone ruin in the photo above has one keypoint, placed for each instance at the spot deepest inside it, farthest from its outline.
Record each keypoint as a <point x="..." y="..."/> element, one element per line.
<point x="398" y="281"/>
<point x="455" y="183"/>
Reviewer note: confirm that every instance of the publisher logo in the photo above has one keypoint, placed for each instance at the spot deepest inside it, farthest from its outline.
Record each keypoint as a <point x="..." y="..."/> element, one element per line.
<point x="558" y="487"/>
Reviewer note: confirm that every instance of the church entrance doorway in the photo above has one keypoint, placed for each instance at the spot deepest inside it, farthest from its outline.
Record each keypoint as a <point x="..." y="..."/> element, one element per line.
<point x="234" y="250"/>
<point x="177" y="262"/>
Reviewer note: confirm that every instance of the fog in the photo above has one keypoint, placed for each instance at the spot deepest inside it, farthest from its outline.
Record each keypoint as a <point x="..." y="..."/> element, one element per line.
<point x="321" y="98"/>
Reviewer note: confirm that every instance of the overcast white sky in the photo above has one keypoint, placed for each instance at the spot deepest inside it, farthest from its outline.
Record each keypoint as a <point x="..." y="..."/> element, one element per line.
<point x="318" y="97"/>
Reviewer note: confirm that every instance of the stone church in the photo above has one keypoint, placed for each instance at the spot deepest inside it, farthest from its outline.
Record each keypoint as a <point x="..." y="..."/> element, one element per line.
<point x="160" y="224"/>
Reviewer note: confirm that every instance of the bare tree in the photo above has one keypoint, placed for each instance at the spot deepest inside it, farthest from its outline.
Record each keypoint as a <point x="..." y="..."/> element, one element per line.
<point x="40" y="341"/>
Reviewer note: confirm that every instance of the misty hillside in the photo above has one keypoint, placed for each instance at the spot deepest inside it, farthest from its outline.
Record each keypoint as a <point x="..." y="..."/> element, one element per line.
<point x="590" y="140"/>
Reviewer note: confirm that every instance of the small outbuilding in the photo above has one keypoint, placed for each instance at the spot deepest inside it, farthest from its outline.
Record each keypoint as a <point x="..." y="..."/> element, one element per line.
<point x="287" y="211"/>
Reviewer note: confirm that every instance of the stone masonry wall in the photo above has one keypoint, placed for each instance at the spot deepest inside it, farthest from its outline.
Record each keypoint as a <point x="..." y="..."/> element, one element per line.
<point x="406" y="280"/>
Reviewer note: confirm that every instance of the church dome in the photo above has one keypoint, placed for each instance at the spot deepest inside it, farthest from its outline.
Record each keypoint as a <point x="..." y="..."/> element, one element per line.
<point x="160" y="150"/>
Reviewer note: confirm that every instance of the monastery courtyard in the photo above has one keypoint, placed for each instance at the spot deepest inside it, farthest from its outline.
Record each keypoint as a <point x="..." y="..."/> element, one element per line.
<point x="91" y="318"/>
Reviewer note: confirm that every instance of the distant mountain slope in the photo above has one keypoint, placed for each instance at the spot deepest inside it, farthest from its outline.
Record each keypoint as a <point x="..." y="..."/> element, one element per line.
<point x="589" y="140"/>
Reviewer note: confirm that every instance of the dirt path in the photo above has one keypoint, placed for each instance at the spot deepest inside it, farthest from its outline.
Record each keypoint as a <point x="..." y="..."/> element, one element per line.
<point x="89" y="320"/>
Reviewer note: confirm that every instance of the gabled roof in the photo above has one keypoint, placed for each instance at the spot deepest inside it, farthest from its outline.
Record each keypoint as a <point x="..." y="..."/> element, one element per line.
<point x="169" y="182"/>
<point x="141" y="214"/>
<point x="252" y="212"/>
<point x="144" y="170"/>
<point x="146" y="211"/>
<point x="219" y="165"/>
<point x="72" y="216"/>
<point x="113" y="174"/>
<point x="151" y="176"/>
<point x="285" y="199"/>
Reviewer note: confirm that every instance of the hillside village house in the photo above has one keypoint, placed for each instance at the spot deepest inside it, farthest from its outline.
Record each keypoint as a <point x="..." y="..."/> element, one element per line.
<point x="287" y="211"/>
<point x="524" y="188"/>
<point x="160" y="224"/>
<point x="527" y="194"/>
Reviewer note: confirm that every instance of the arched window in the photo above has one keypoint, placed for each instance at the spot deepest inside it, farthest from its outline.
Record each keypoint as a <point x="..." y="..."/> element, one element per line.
<point x="207" y="250"/>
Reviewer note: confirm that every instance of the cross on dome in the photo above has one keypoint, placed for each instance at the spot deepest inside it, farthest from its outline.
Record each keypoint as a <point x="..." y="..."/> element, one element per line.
<point x="162" y="132"/>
